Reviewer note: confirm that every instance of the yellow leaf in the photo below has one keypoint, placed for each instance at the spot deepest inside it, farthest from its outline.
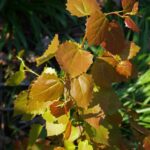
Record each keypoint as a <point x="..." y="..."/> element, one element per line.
<point x="20" y="103"/>
<point x="73" y="59"/>
<point x="82" y="89"/>
<point x="81" y="8"/>
<point x="102" y="135"/>
<point x="54" y="128"/>
<point x="96" y="27"/>
<point x="24" y="105"/>
<point x="50" y="52"/>
<point x="47" y="87"/>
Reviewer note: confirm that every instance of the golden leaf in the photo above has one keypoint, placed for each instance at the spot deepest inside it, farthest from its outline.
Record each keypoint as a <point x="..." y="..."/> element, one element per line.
<point x="50" y="52"/>
<point x="134" y="49"/>
<point x="73" y="59"/>
<point x="82" y="89"/>
<point x="96" y="27"/>
<point x="20" y="103"/>
<point x="81" y="8"/>
<point x="47" y="87"/>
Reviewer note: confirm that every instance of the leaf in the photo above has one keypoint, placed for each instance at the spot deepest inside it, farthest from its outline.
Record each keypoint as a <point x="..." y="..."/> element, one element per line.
<point x="20" y="103"/>
<point x="47" y="87"/>
<point x="110" y="58"/>
<point x="84" y="145"/>
<point x="146" y="143"/>
<point x="50" y="52"/>
<point x="81" y="8"/>
<point x="114" y="40"/>
<point x="135" y="8"/>
<point x="59" y="108"/>
<point x="94" y="115"/>
<point x="129" y="23"/>
<point x="145" y="78"/>
<point x="69" y="145"/>
<point x="96" y="27"/>
<point x="130" y="51"/>
<point x="82" y="89"/>
<point x="34" y="133"/>
<point x="104" y="74"/>
<point x="24" y="105"/>
<point x="134" y="49"/>
<point x="17" y="77"/>
<point x="124" y="68"/>
<point x="128" y="5"/>
<point x="54" y="128"/>
<point x="75" y="133"/>
<point x="102" y="135"/>
<point x="73" y="59"/>
<point x="108" y="100"/>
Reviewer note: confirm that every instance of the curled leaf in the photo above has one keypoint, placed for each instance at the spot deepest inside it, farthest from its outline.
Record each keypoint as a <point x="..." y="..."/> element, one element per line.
<point x="131" y="24"/>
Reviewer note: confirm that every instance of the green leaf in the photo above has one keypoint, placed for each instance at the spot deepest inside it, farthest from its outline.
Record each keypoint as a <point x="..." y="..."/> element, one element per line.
<point x="84" y="145"/>
<point x="34" y="133"/>
<point x="69" y="145"/>
<point x="17" y="77"/>
<point x="145" y="78"/>
<point x="75" y="134"/>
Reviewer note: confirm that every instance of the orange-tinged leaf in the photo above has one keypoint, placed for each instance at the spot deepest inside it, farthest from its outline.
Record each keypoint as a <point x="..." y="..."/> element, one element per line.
<point x="114" y="38"/>
<point x="131" y="24"/>
<point x="47" y="87"/>
<point x="110" y="58"/>
<point x="146" y="143"/>
<point x="135" y="8"/>
<point x="104" y="74"/>
<point x="130" y="51"/>
<point x="59" y="148"/>
<point x="50" y="52"/>
<point x="128" y="5"/>
<point x="82" y="89"/>
<point x="96" y="27"/>
<point x="81" y="8"/>
<point x="59" y="108"/>
<point x="134" y="49"/>
<point x="124" y="68"/>
<point x="73" y="59"/>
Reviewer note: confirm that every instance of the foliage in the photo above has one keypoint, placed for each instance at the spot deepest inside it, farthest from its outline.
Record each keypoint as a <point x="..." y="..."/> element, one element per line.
<point x="77" y="103"/>
<point x="22" y="19"/>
